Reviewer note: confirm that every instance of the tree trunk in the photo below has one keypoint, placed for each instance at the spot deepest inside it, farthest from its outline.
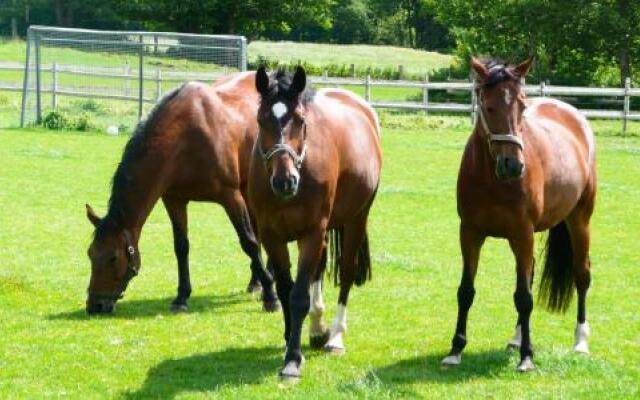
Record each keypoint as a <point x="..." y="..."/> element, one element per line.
<point x="58" y="8"/>
<point x="624" y="61"/>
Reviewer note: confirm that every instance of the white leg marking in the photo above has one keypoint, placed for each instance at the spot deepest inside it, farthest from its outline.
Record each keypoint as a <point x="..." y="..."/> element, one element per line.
<point x="516" y="340"/>
<point x="316" y="310"/>
<point x="581" y="334"/>
<point x="452" y="360"/>
<point x="338" y="329"/>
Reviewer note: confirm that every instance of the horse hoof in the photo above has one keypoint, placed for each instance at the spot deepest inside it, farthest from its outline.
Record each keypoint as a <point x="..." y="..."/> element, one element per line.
<point x="254" y="288"/>
<point x="513" y="347"/>
<point x="271" y="306"/>
<point x="451" y="360"/>
<point x="581" y="348"/>
<point x="318" y="342"/>
<point x="335" y="350"/>
<point x="291" y="372"/>
<point x="178" y="308"/>
<point x="526" y="365"/>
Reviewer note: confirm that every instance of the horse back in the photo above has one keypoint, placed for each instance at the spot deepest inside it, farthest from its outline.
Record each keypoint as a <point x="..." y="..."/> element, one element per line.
<point x="354" y="132"/>
<point x="211" y="130"/>
<point x="561" y="123"/>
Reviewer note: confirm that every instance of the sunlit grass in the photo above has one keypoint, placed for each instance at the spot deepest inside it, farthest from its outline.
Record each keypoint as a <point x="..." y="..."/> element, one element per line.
<point x="400" y="324"/>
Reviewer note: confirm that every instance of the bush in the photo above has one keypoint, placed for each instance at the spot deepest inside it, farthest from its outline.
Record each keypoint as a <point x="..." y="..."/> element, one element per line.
<point x="59" y="120"/>
<point x="55" y="120"/>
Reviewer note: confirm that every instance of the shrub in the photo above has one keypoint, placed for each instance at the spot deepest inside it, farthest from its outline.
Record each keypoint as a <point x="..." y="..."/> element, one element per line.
<point x="55" y="120"/>
<point x="59" y="120"/>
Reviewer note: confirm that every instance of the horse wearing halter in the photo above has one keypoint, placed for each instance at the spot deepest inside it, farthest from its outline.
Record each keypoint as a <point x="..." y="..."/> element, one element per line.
<point x="504" y="137"/>
<point x="282" y="146"/>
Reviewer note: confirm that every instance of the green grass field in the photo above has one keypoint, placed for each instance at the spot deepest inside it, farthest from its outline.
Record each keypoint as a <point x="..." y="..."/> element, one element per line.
<point x="414" y="61"/>
<point x="400" y="324"/>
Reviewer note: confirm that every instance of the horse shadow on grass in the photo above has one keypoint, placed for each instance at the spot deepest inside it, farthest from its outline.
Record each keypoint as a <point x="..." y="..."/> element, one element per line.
<point x="208" y="372"/>
<point x="427" y="368"/>
<point x="149" y="308"/>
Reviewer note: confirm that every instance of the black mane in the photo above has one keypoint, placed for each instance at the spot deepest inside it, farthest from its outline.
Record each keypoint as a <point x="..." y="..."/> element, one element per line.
<point x="122" y="181"/>
<point x="499" y="71"/>
<point x="282" y="87"/>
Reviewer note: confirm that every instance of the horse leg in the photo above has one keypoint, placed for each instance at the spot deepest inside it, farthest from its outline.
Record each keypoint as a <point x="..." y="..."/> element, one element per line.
<point x="470" y="244"/>
<point x="318" y="332"/>
<point x="278" y="259"/>
<point x="310" y="248"/>
<point x="522" y="248"/>
<point x="353" y="236"/>
<point x="254" y="285"/>
<point x="177" y="210"/>
<point x="236" y="209"/>
<point x="578" y="226"/>
<point x="516" y="340"/>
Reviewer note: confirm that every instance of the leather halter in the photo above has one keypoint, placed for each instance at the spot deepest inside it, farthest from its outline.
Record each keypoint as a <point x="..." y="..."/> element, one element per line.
<point x="509" y="137"/>
<point x="132" y="270"/>
<point x="281" y="146"/>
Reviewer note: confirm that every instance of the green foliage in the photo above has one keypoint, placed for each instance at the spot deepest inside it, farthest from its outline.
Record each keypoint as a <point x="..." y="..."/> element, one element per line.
<point x="573" y="45"/>
<point x="57" y="120"/>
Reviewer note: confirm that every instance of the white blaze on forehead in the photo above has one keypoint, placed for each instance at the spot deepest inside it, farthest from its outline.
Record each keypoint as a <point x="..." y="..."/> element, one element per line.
<point x="507" y="96"/>
<point x="279" y="110"/>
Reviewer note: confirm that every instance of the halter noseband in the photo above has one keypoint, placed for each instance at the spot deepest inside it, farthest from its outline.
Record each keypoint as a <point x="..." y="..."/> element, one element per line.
<point x="281" y="146"/>
<point x="496" y="137"/>
<point x="130" y="273"/>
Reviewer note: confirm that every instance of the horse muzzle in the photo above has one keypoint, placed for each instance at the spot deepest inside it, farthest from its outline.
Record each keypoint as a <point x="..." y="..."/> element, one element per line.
<point x="285" y="187"/>
<point x="100" y="305"/>
<point x="509" y="168"/>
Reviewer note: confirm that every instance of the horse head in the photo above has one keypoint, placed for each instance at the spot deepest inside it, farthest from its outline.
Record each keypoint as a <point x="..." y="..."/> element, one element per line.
<point x="281" y="142"/>
<point x="501" y="103"/>
<point x="115" y="260"/>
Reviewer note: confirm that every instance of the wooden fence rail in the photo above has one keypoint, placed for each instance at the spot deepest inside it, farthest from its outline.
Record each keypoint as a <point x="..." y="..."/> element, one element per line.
<point x="158" y="77"/>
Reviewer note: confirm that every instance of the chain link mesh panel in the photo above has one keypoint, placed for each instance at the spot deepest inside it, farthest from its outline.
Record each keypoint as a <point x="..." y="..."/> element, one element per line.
<point x="112" y="78"/>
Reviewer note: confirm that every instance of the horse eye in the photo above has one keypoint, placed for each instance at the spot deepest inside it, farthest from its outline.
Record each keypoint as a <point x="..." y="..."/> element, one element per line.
<point x="113" y="259"/>
<point x="490" y="109"/>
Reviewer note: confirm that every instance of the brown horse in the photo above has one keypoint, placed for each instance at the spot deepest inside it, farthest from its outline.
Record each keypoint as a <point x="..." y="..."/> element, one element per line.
<point x="195" y="146"/>
<point x="315" y="169"/>
<point x="527" y="167"/>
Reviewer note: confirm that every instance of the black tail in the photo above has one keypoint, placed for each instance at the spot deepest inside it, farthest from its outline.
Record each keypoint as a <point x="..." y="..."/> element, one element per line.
<point x="363" y="257"/>
<point x="557" y="283"/>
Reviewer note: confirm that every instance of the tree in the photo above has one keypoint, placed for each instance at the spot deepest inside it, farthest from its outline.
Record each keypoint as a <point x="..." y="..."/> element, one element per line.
<point x="572" y="42"/>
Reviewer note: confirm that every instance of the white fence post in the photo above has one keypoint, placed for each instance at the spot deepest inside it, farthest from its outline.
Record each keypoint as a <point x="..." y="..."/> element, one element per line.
<point x="627" y="104"/>
<point x="158" y="84"/>
<point x="542" y="86"/>
<point x="54" y="88"/>
<point x="127" y="81"/>
<point x="38" y="81"/>
<point x="367" y="88"/>
<point x="141" y="78"/>
<point x="425" y="95"/>
<point x="474" y="103"/>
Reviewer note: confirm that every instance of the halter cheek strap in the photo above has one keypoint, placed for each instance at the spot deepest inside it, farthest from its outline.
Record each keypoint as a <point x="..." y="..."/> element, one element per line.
<point x="497" y="137"/>
<point x="281" y="147"/>
<point x="133" y="267"/>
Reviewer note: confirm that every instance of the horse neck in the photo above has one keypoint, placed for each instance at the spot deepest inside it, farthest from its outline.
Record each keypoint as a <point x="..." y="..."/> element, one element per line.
<point x="136" y="200"/>
<point x="480" y="155"/>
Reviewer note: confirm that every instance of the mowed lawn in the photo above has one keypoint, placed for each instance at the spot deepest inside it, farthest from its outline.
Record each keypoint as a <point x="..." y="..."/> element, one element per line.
<point x="400" y="324"/>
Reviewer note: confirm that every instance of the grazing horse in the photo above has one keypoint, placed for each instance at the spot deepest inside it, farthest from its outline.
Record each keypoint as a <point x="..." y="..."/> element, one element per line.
<point x="195" y="146"/>
<point x="315" y="170"/>
<point x="527" y="167"/>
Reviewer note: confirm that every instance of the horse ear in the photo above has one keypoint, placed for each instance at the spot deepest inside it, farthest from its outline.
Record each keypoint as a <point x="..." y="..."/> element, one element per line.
<point x="262" y="81"/>
<point x="299" y="80"/>
<point x="91" y="215"/>
<point x="523" y="68"/>
<point x="480" y="68"/>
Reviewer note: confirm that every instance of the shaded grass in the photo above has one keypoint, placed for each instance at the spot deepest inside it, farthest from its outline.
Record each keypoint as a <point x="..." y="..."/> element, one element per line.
<point x="400" y="324"/>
